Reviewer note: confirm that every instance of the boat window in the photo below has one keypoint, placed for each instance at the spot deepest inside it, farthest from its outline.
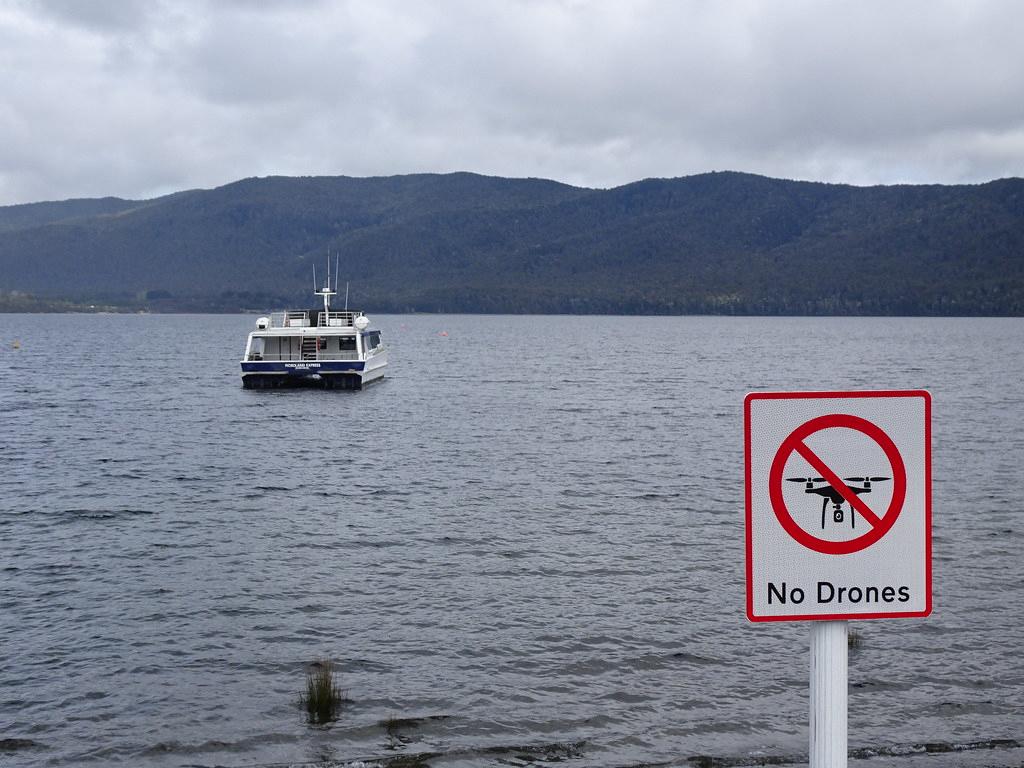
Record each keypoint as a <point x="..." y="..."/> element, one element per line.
<point x="347" y="343"/>
<point x="372" y="339"/>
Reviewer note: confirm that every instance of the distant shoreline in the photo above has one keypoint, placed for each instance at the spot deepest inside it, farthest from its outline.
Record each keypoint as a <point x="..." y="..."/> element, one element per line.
<point x="66" y="308"/>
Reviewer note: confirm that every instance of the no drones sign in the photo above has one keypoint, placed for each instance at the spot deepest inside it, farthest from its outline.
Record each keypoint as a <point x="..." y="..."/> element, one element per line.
<point x="838" y="505"/>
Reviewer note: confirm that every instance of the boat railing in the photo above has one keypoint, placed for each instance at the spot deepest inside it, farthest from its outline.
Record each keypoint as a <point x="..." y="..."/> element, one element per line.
<point x="301" y="319"/>
<point x="337" y="319"/>
<point x="289" y="319"/>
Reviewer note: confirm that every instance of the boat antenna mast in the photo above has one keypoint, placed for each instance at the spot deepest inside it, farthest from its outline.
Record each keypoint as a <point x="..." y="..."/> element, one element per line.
<point x="326" y="291"/>
<point x="337" y="277"/>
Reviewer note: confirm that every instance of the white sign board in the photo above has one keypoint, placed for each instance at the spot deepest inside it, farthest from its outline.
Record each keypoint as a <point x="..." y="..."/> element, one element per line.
<point x="838" y="505"/>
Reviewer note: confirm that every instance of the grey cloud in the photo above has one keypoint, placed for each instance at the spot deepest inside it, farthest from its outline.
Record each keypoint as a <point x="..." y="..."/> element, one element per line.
<point x="112" y="17"/>
<point x="140" y="98"/>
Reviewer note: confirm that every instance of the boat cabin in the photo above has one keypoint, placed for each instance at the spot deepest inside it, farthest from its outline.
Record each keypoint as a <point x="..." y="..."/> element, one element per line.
<point x="312" y="335"/>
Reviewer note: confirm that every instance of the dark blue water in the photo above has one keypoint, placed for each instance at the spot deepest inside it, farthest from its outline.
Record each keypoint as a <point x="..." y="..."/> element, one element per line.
<point x="525" y="545"/>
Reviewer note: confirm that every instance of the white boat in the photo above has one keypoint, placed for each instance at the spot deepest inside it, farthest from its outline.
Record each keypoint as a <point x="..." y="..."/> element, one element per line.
<point x="318" y="348"/>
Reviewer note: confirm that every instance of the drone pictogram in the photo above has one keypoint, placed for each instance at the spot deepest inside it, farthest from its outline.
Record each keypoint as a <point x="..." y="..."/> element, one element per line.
<point x="829" y="493"/>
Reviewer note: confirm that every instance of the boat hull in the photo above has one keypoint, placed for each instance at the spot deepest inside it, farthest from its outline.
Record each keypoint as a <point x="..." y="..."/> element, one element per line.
<point x="326" y="374"/>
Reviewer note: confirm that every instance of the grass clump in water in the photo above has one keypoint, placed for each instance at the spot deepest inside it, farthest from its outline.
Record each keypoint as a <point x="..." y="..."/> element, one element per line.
<point x="323" y="697"/>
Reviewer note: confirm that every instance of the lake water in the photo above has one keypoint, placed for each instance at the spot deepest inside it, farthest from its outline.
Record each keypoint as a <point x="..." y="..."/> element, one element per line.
<point x="524" y="546"/>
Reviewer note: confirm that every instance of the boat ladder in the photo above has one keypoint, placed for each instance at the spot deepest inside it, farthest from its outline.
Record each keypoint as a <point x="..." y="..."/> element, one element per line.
<point x="309" y="345"/>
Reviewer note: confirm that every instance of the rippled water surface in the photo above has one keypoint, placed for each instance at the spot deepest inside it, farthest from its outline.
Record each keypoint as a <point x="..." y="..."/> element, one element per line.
<point x="524" y="546"/>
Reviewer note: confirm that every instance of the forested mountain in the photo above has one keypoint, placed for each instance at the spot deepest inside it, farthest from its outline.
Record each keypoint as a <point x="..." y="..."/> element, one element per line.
<point x="37" y="214"/>
<point x="712" y="243"/>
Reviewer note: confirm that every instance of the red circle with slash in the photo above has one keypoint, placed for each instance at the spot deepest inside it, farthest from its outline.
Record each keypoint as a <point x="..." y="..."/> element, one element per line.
<point x="879" y="525"/>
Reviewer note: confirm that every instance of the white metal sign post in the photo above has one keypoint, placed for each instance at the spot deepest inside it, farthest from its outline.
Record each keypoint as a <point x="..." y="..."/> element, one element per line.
<point x="838" y="526"/>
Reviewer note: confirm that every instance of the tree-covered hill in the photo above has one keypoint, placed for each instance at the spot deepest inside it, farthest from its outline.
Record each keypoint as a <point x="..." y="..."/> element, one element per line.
<point x="713" y="243"/>
<point x="16" y="217"/>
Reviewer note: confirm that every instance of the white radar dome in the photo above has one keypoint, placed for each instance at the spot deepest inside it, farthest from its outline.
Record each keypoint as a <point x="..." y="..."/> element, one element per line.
<point x="262" y="323"/>
<point x="361" y="322"/>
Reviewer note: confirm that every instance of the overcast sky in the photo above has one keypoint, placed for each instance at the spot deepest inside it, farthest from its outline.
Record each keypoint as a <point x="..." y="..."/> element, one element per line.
<point x="136" y="98"/>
